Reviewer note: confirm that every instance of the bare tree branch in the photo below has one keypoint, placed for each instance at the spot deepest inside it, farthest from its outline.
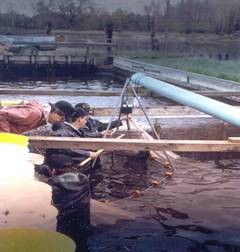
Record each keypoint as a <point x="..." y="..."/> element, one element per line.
<point x="71" y="9"/>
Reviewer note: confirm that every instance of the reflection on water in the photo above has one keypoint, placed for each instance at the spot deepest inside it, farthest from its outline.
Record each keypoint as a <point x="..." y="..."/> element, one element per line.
<point x="27" y="204"/>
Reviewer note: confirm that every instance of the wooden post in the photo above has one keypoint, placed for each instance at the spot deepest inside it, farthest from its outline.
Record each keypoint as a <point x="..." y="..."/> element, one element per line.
<point x="225" y="131"/>
<point x="87" y="56"/>
<point x="167" y="24"/>
<point x="6" y="59"/>
<point x="137" y="48"/>
<point x="69" y="59"/>
<point x="152" y="34"/>
<point x="109" y="34"/>
<point x="33" y="59"/>
<point x="52" y="59"/>
<point x="94" y="61"/>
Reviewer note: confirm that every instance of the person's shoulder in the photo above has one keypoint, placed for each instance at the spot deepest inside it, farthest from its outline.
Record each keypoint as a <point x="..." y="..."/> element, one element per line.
<point x="66" y="130"/>
<point x="60" y="129"/>
<point x="57" y="126"/>
<point x="93" y="120"/>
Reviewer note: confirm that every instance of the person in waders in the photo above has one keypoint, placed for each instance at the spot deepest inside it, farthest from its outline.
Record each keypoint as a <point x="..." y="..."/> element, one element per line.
<point x="71" y="190"/>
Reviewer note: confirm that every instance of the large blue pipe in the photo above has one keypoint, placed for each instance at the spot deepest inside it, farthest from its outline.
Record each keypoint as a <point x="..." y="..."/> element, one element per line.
<point x="209" y="106"/>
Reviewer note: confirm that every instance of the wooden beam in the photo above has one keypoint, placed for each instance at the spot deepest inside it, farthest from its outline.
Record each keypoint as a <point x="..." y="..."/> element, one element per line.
<point x="234" y="139"/>
<point x="57" y="92"/>
<point x="63" y="92"/>
<point x="162" y="111"/>
<point x="179" y="117"/>
<point x="141" y="92"/>
<point x="151" y="111"/>
<point x="135" y="144"/>
<point x="218" y="93"/>
<point x="144" y="92"/>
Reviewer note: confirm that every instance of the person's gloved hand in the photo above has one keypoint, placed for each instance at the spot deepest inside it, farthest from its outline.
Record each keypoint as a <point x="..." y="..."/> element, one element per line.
<point x="93" y="154"/>
<point x="107" y="133"/>
<point x="125" y="117"/>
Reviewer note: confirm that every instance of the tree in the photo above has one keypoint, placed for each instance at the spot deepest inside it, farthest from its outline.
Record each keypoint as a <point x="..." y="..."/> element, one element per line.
<point x="227" y="15"/>
<point x="154" y="12"/>
<point x="167" y="23"/>
<point x="71" y="9"/>
<point x="120" y="19"/>
<point x="148" y="13"/>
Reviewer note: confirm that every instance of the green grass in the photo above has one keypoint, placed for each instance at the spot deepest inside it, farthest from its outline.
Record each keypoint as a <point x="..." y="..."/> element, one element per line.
<point x="229" y="70"/>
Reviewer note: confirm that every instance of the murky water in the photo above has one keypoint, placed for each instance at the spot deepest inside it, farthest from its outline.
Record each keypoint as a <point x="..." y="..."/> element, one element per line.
<point x="196" y="210"/>
<point x="103" y="84"/>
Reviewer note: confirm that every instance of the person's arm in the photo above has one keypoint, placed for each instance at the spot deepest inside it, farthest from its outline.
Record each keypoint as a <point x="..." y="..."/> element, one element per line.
<point x="77" y="152"/>
<point x="103" y="126"/>
<point x="116" y="123"/>
<point x="91" y="134"/>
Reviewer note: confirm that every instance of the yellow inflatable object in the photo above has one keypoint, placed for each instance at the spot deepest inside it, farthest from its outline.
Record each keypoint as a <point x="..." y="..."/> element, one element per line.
<point x="7" y="103"/>
<point x="13" y="139"/>
<point x="8" y="138"/>
<point x="37" y="240"/>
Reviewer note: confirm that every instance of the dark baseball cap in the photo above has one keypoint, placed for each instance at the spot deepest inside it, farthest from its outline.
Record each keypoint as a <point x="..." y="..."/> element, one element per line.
<point x="66" y="108"/>
<point x="85" y="106"/>
<point x="79" y="112"/>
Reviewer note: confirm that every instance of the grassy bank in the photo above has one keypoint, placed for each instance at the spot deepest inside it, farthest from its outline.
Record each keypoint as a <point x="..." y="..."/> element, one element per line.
<point x="228" y="70"/>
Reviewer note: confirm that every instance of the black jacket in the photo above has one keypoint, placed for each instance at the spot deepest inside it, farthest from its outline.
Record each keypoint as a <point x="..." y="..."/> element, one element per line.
<point x="60" y="158"/>
<point x="94" y="127"/>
